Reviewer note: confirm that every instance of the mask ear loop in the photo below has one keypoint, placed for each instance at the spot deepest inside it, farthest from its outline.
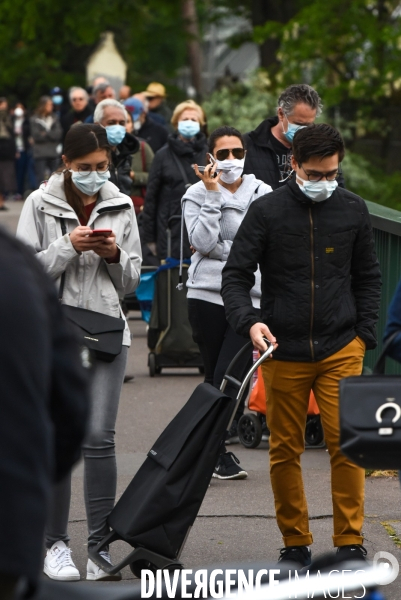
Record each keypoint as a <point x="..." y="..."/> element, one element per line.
<point x="288" y="176"/>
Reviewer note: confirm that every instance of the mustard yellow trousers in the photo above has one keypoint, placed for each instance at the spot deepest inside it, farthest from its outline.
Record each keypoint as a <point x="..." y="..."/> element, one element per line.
<point x="288" y="386"/>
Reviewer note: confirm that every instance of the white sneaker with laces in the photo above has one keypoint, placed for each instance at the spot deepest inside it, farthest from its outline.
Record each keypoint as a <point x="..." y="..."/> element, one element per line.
<point x="95" y="573"/>
<point x="59" y="564"/>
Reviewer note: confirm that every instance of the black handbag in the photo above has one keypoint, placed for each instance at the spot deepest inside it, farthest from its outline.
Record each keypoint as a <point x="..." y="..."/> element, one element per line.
<point x="370" y="417"/>
<point x="100" y="333"/>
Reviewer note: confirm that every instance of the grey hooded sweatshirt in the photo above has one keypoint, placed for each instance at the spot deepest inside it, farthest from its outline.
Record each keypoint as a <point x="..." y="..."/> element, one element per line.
<point x="212" y="220"/>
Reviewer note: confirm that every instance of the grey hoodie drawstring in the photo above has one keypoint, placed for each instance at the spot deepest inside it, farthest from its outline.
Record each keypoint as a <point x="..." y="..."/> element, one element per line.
<point x="180" y="285"/>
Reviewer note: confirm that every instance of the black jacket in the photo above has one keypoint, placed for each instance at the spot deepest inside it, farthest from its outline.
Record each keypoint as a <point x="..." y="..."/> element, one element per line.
<point x="261" y="158"/>
<point x="154" y="134"/>
<point x="7" y="139"/>
<point x="43" y="391"/>
<point x="73" y="116"/>
<point x="120" y="167"/>
<point x="320" y="275"/>
<point x="165" y="189"/>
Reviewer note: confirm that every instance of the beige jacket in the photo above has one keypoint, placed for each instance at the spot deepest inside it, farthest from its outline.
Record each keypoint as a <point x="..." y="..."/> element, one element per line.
<point x="90" y="281"/>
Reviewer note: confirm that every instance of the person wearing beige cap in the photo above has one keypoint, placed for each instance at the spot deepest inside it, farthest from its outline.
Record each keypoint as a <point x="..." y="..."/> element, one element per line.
<point x="156" y="96"/>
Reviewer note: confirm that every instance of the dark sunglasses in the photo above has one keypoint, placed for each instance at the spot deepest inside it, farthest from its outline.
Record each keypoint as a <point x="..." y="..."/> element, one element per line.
<point x="224" y="154"/>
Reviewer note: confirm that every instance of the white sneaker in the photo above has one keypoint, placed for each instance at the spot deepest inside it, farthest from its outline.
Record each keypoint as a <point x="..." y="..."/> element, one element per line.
<point x="59" y="564"/>
<point x="95" y="573"/>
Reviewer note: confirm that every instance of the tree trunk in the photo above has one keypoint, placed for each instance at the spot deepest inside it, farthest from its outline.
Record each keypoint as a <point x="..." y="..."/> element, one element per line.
<point x="271" y="10"/>
<point x="193" y="44"/>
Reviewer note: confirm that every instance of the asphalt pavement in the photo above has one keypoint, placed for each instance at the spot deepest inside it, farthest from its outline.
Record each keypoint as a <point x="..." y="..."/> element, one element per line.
<point x="236" y="521"/>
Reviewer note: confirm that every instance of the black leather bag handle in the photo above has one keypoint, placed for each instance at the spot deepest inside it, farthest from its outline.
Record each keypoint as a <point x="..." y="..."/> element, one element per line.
<point x="380" y="365"/>
<point x="181" y="169"/>
<point x="62" y="281"/>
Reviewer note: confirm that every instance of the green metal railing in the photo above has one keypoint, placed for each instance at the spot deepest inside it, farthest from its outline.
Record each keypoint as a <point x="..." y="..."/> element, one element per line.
<point x="386" y="224"/>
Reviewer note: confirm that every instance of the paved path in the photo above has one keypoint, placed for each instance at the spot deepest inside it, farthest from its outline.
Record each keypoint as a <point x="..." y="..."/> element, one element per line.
<point x="236" y="521"/>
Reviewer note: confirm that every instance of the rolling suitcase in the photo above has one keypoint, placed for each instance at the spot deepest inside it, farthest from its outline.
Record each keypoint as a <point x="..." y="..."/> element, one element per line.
<point x="155" y="513"/>
<point x="170" y="338"/>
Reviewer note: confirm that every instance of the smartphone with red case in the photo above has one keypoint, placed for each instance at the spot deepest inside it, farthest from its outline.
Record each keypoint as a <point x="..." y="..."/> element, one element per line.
<point x="103" y="232"/>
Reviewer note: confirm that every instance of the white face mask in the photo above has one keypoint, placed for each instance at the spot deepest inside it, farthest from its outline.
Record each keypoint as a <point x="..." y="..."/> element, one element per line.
<point x="318" y="191"/>
<point x="137" y="125"/>
<point x="235" y="167"/>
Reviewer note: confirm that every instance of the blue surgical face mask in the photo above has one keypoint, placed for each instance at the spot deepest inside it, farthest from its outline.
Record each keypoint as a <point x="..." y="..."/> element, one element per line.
<point x="291" y="130"/>
<point x="318" y="191"/>
<point x="188" y="129"/>
<point x="89" y="182"/>
<point x="115" y="134"/>
<point x="57" y="99"/>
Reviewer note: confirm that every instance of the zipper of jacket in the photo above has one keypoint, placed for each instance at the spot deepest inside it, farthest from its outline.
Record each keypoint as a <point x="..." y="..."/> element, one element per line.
<point x="312" y="310"/>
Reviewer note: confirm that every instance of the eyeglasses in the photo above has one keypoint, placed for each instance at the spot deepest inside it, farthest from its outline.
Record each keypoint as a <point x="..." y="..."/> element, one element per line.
<point x="236" y="152"/>
<point x="85" y="169"/>
<point x="330" y="176"/>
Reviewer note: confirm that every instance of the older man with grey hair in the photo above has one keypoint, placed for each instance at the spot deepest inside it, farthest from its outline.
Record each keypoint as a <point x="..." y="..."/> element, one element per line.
<point x="113" y="116"/>
<point x="269" y="146"/>
<point x="80" y="109"/>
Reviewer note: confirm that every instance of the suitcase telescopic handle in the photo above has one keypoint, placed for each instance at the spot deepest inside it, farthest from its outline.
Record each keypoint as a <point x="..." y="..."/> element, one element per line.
<point x="243" y="385"/>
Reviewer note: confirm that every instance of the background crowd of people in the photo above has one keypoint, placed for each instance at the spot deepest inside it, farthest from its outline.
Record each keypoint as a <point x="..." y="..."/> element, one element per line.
<point x="31" y="141"/>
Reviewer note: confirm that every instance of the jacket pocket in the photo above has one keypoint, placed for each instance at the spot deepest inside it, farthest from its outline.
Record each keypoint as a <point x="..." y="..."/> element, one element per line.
<point x="337" y="248"/>
<point x="195" y="274"/>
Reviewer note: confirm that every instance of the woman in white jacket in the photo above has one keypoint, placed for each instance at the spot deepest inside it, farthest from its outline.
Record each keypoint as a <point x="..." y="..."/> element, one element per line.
<point x="213" y="210"/>
<point x="98" y="272"/>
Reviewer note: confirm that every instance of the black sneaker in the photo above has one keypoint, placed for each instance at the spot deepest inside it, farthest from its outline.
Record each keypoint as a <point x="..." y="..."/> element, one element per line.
<point x="228" y="467"/>
<point x="352" y="552"/>
<point x="297" y="554"/>
<point x="232" y="434"/>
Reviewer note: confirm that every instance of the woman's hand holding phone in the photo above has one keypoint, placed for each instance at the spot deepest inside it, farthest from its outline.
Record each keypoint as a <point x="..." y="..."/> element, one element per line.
<point x="108" y="248"/>
<point x="209" y="177"/>
<point x="83" y="240"/>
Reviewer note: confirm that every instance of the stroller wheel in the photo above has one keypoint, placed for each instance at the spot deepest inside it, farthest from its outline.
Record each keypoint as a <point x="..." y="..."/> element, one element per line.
<point x="313" y="431"/>
<point x="152" y="364"/>
<point x="250" y="430"/>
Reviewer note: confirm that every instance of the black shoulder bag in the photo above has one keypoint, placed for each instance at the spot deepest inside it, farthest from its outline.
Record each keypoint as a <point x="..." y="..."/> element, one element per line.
<point x="370" y="417"/>
<point x="100" y="333"/>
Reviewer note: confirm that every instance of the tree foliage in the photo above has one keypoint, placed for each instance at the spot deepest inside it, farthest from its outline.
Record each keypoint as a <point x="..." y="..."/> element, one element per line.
<point x="242" y="105"/>
<point x="349" y="50"/>
<point x="45" y="43"/>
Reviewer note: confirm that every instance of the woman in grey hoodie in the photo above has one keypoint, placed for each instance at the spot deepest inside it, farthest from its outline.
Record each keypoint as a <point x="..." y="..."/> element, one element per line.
<point x="213" y="210"/>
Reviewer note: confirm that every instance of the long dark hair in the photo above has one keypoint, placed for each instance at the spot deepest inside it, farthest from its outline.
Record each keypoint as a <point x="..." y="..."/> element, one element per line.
<point x="40" y="109"/>
<point x="81" y="139"/>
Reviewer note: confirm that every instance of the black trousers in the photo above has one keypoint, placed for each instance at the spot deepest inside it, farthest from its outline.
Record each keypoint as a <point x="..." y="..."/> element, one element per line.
<point x="218" y="344"/>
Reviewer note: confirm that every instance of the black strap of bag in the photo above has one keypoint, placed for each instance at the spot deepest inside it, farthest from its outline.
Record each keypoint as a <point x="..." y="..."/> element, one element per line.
<point x="181" y="170"/>
<point x="380" y="365"/>
<point x="100" y="333"/>
<point x="62" y="281"/>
